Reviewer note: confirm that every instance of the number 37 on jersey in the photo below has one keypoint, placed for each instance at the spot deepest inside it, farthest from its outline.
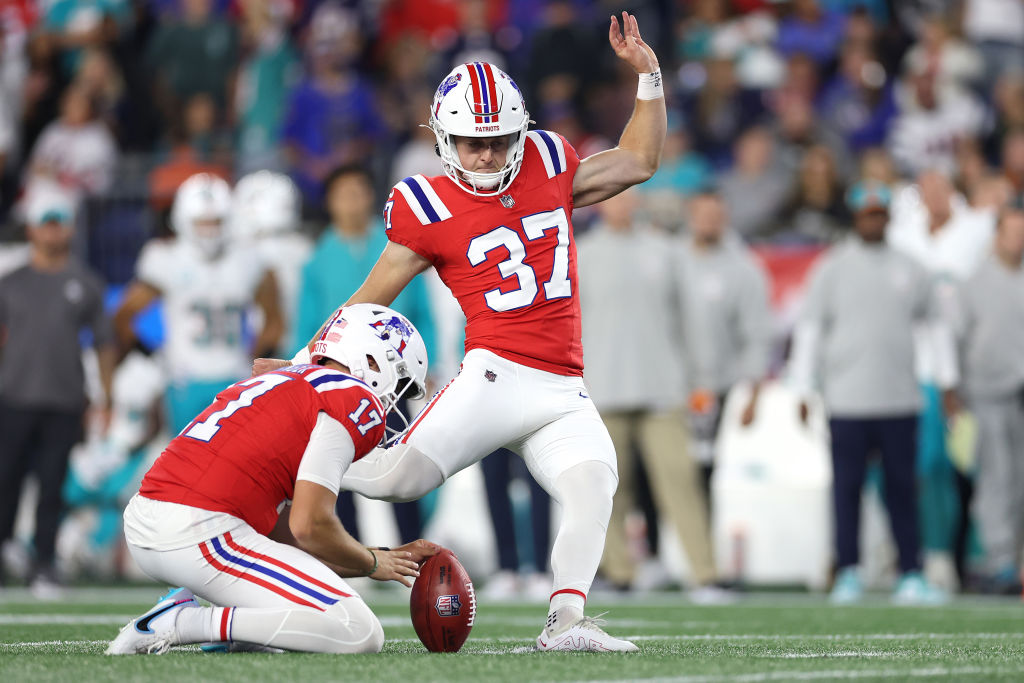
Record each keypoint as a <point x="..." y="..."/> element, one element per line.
<point x="509" y="260"/>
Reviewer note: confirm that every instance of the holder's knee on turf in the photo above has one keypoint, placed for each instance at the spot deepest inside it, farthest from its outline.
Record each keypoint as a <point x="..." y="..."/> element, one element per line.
<point x="348" y="627"/>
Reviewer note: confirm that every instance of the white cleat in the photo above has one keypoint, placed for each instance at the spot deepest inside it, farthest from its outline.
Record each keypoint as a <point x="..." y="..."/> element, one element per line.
<point x="153" y="633"/>
<point x="583" y="635"/>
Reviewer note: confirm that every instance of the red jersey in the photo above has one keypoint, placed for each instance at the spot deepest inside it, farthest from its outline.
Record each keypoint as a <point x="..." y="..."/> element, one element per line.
<point x="241" y="455"/>
<point x="509" y="259"/>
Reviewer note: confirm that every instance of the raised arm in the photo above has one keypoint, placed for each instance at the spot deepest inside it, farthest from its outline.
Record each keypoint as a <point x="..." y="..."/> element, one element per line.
<point x="638" y="153"/>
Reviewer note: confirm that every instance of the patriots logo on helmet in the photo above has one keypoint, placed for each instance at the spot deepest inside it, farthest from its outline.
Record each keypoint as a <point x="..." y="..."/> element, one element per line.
<point x="395" y="326"/>
<point x="445" y="88"/>
<point x="448" y="84"/>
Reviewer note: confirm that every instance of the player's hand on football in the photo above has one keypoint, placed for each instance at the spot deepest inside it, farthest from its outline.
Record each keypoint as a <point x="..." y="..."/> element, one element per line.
<point x="421" y="549"/>
<point x="264" y="365"/>
<point x="395" y="565"/>
<point x="629" y="46"/>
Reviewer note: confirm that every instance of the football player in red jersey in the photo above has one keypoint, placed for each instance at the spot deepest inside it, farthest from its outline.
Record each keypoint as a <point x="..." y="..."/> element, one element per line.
<point x="497" y="227"/>
<point x="213" y="513"/>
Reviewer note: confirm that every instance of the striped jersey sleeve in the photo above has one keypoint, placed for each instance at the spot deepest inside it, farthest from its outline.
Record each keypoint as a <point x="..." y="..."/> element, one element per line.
<point x="413" y="207"/>
<point x="555" y="152"/>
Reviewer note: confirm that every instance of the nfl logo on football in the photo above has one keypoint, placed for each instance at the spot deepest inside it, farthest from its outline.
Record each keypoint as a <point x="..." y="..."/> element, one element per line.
<point x="448" y="605"/>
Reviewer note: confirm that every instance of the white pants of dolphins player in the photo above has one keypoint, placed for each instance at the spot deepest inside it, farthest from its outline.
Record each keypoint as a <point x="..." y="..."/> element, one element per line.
<point x="548" y="419"/>
<point x="263" y="592"/>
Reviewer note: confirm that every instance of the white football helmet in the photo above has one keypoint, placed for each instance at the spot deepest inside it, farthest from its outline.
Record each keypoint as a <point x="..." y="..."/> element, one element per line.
<point x="264" y="203"/>
<point x="479" y="100"/>
<point x="383" y="349"/>
<point x="202" y="198"/>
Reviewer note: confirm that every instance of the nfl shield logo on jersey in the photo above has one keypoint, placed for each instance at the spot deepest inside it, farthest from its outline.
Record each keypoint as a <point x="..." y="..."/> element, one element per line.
<point x="448" y="606"/>
<point x="507" y="201"/>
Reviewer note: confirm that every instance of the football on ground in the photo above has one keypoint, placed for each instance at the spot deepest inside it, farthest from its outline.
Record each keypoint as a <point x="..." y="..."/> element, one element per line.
<point x="443" y="603"/>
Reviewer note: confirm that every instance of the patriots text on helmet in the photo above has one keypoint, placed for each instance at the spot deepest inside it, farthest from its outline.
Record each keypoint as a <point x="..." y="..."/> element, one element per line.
<point x="479" y="100"/>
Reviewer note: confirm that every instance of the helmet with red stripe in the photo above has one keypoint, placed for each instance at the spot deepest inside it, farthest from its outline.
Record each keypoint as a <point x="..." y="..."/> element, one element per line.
<point x="479" y="100"/>
<point x="382" y="348"/>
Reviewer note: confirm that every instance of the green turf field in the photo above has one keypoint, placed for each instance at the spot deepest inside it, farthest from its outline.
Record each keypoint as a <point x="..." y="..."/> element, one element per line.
<point x="766" y="637"/>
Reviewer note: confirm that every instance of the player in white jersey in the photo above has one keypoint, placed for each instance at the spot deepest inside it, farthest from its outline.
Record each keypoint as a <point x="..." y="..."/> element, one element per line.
<point x="265" y="215"/>
<point x="207" y="284"/>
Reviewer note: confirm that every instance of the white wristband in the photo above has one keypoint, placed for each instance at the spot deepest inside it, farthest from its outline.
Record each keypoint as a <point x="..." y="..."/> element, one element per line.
<point x="302" y="357"/>
<point x="649" y="86"/>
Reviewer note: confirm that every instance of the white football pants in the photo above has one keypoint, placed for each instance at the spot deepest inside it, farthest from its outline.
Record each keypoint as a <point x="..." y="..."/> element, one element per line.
<point x="548" y="419"/>
<point x="265" y="593"/>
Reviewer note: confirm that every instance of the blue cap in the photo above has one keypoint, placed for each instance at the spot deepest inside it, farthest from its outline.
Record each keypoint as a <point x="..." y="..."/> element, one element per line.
<point x="869" y="194"/>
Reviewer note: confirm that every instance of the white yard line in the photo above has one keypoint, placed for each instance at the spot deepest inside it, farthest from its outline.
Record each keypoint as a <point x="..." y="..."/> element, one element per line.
<point x="71" y="619"/>
<point x="399" y="622"/>
<point x="388" y="620"/>
<point x="75" y="644"/>
<point x="828" y="655"/>
<point x="828" y="636"/>
<point x="839" y="674"/>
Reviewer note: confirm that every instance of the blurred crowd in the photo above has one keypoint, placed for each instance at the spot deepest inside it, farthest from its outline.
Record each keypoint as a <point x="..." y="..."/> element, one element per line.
<point x="789" y="122"/>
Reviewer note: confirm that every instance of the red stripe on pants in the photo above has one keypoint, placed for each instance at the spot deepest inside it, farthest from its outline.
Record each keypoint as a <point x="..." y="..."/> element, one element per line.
<point x="254" y="579"/>
<point x="433" y="402"/>
<point x="277" y="563"/>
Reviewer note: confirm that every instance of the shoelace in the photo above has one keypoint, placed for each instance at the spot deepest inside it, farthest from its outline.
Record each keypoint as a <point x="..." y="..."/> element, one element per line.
<point x="594" y="622"/>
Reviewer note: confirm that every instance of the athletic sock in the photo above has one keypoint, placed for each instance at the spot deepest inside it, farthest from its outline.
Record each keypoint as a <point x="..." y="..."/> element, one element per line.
<point x="200" y="624"/>
<point x="561" y="618"/>
<point x="574" y="600"/>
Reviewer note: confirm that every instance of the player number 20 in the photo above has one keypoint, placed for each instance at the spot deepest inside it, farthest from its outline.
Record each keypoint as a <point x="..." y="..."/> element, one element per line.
<point x="535" y="227"/>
